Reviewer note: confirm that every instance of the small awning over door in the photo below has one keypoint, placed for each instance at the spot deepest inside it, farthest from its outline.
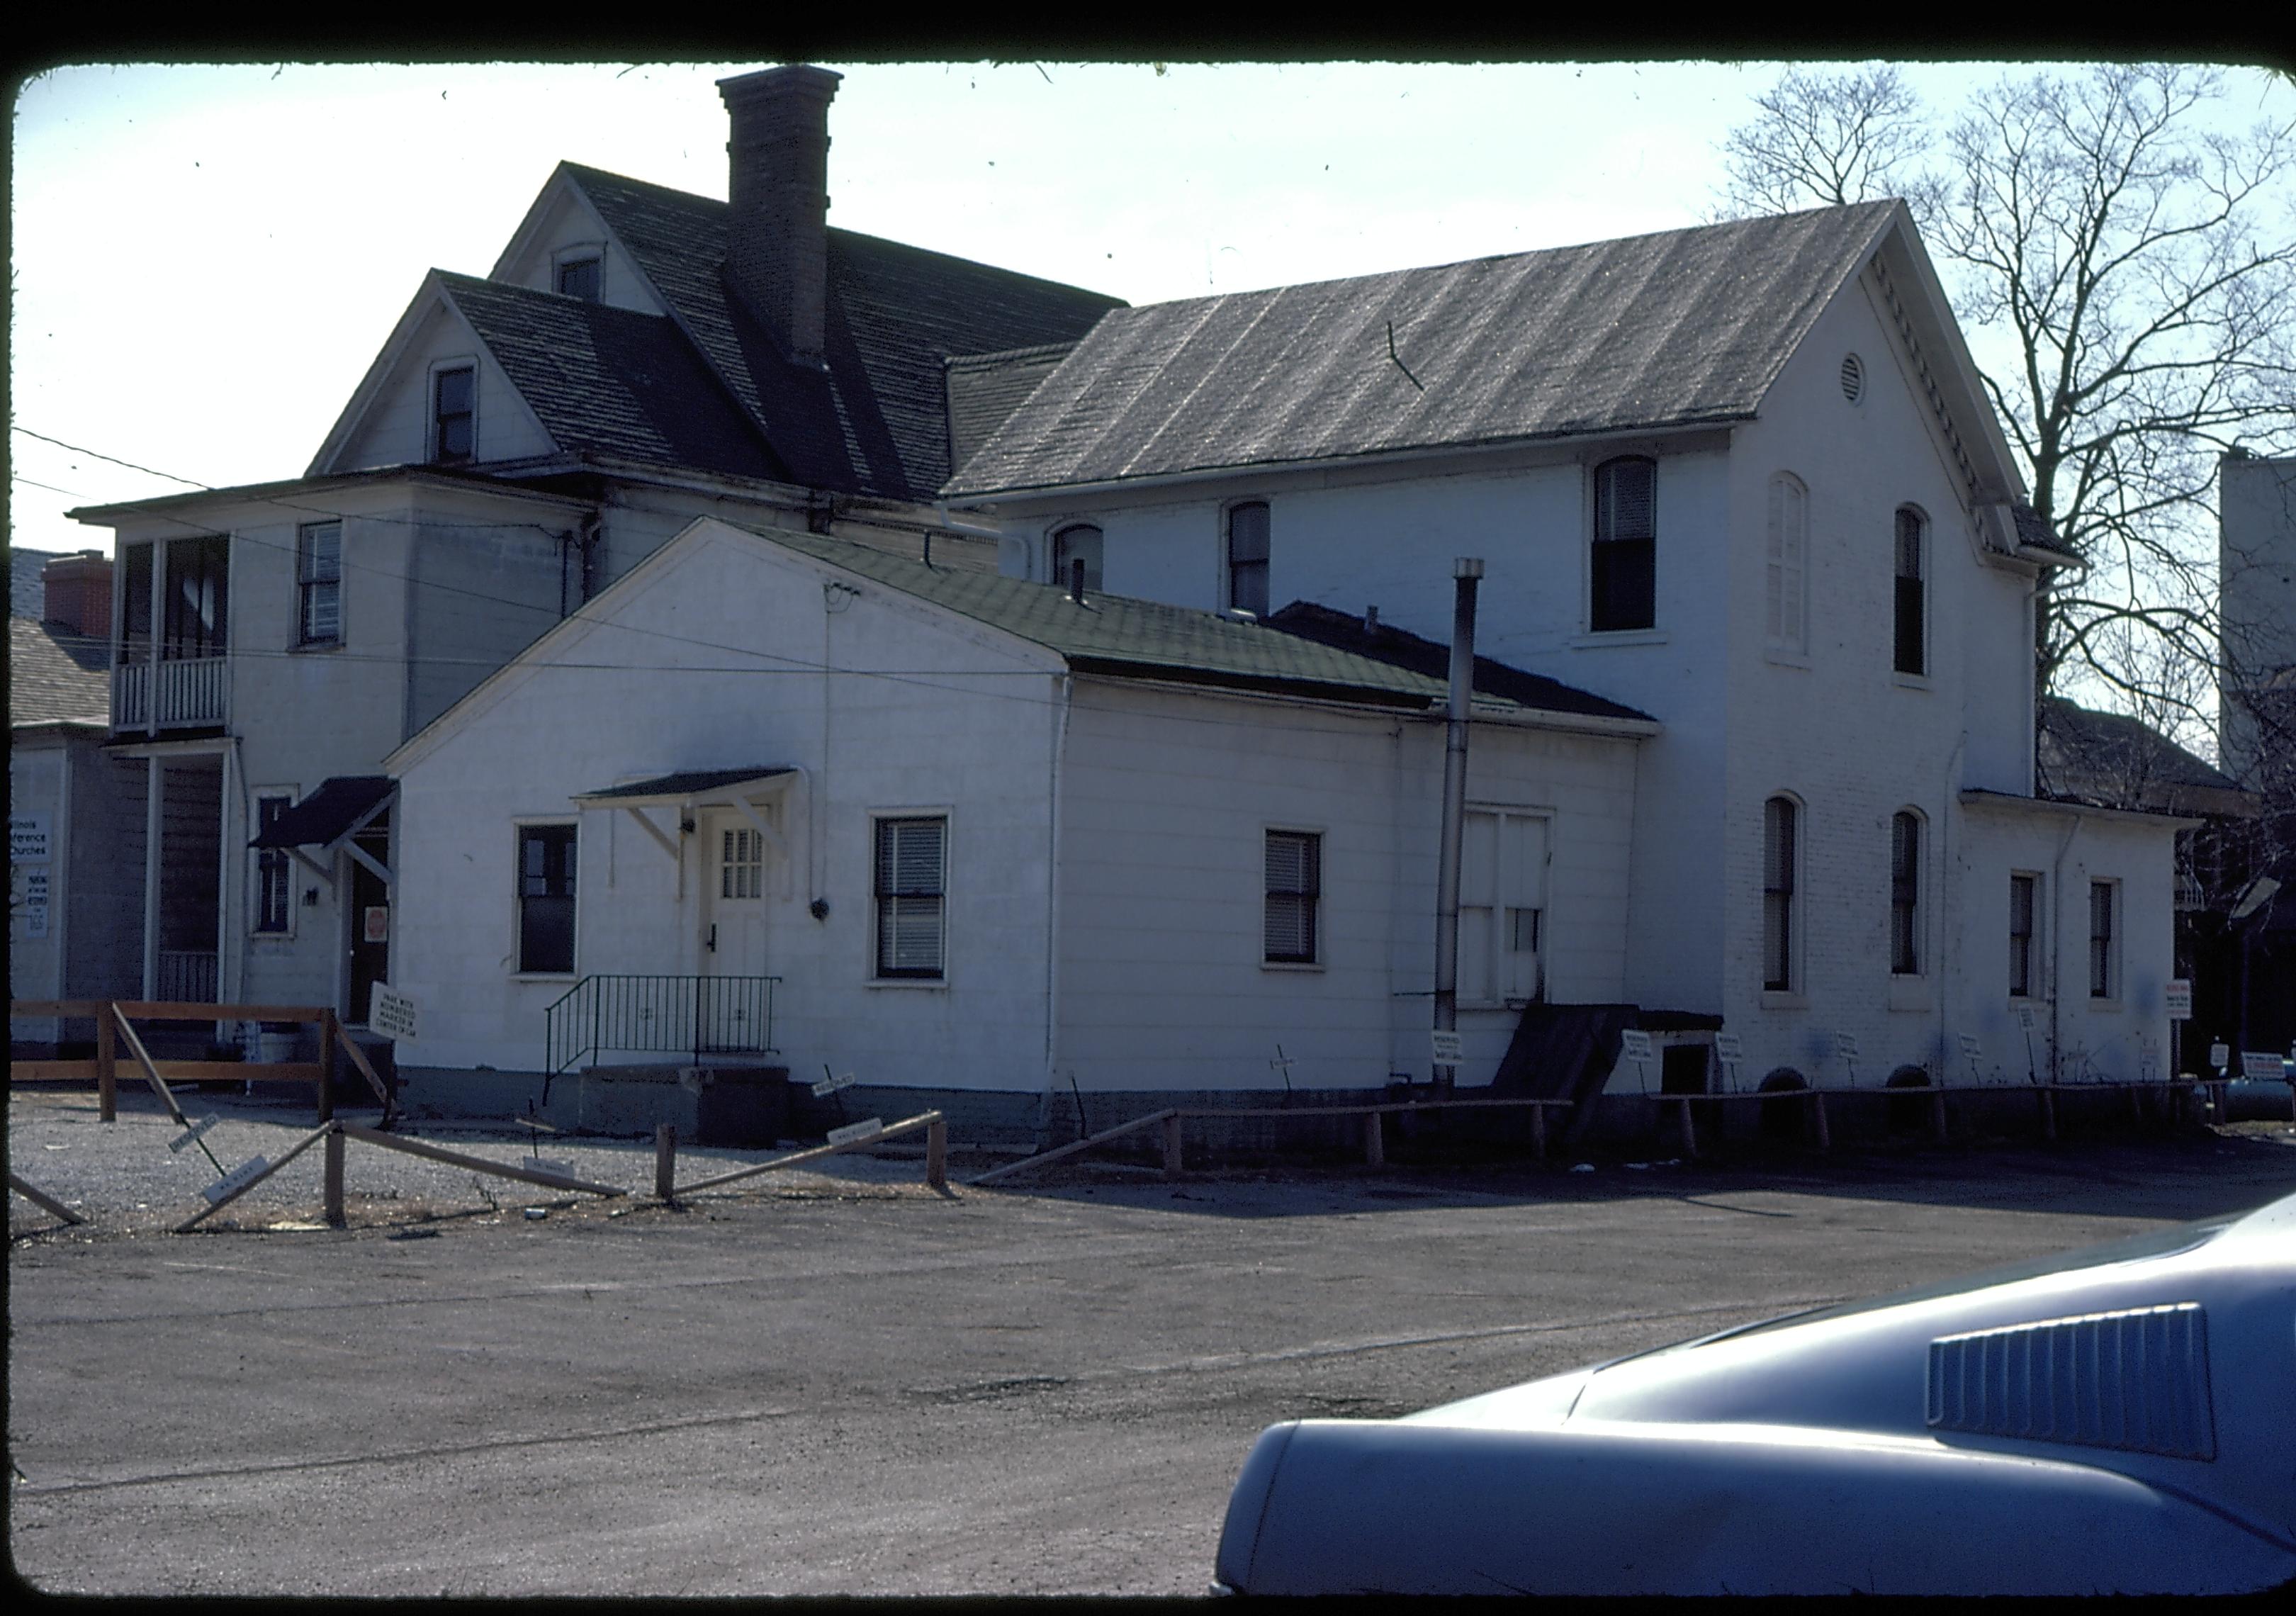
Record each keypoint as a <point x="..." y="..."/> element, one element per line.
<point x="340" y="807"/>
<point x="715" y="784"/>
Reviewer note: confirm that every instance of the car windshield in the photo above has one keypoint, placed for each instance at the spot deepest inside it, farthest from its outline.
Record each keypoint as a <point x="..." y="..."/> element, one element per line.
<point x="2136" y="1248"/>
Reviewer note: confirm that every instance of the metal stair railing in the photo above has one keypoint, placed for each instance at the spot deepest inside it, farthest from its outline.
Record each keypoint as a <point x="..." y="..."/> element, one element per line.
<point x="660" y="1014"/>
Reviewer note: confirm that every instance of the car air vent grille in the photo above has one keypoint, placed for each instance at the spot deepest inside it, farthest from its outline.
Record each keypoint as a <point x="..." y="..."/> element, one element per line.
<point x="2136" y="1380"/>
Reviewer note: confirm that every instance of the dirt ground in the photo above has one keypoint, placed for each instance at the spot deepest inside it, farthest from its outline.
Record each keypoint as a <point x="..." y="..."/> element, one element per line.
<point x="851" y="1384"/>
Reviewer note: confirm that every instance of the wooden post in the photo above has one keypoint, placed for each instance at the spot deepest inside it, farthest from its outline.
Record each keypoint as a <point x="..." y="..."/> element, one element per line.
<point x="665" y="1160"/>
<point x="1937" y="1114"/>
<point x="107" y="1080"/>
<point x="936" y="1153"/>
<point x="1376" y="1140"/>
<point x="1817" y="1114"/>
<point x="1172" y="1140"/>
<point x="1689" y="1132"/>
<point x="335" y="1177"/>
<point x="327" y="1066"/>
<point x="2048" y="1113"/>
<point x="1538" y="1131"/>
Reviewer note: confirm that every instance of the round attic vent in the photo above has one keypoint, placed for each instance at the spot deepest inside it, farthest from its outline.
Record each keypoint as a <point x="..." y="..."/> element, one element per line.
<point x="1853" y="377"/>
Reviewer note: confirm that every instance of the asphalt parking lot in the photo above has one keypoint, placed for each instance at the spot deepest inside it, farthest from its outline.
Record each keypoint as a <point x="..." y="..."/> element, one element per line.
<point x="850" y="1383"/>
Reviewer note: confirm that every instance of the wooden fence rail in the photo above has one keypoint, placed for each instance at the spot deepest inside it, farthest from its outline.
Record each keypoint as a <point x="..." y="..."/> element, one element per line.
<point x="936" y="1156"/>
<point x="113" y="1018"/>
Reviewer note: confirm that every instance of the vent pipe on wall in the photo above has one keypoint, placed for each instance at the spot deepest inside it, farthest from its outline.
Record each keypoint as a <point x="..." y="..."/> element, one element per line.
<point x="1467" y="573"/>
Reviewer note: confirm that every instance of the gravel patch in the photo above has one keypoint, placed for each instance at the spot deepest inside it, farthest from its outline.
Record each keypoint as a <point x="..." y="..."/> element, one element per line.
<point x="122" y="1178"/>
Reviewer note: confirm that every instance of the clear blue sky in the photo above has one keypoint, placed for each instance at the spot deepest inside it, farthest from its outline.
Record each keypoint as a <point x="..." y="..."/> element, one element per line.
<point x="207" y="260"/>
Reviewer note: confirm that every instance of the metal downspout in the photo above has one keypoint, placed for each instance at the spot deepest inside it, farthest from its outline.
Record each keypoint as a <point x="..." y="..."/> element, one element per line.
<point x="1466" y="573"/>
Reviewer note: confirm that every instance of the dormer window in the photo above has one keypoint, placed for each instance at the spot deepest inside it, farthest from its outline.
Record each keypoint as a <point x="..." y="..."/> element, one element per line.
<point x="1072" y="545"/>
<point x="581" y="277"/>
<point x="454" y="414"/>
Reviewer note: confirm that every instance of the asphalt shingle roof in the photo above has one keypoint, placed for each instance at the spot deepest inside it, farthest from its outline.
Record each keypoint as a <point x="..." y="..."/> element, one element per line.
<point x="877" y="422"/>
<point x="612" y="381"/>
<point x="1116" y="634"/>
<point x="2112" y="760"/>
<point x="1680" y="328"/>
<point x="54" y="676"/>
<point x="28" y="593"/>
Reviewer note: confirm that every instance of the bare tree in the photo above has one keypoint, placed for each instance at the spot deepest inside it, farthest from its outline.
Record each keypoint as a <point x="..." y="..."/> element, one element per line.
<point x="1827" y="138"/>
<point x="2137" y="266"/>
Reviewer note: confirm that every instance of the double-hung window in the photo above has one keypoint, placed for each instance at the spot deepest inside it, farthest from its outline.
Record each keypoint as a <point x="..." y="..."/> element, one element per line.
<point x="319" y="583"/>
<point x="1906" y="894"/>
<point x="1502" y="906"/>
<point x="274" y="892"/>
<point x="1247" y="558"/>
<point x="1625" y="556"/>
<point x="912" y="880"/>
<point x="1780" y="826"/>
<point x="454" y="414"/>
<point x="545" y="898"/>
<point x="579" y="278"/>
<point x="2024" y="908"/>
<point x="1909" y="602"/>
<point x="2103" y="958"/>
<point x="1295" y="887"/>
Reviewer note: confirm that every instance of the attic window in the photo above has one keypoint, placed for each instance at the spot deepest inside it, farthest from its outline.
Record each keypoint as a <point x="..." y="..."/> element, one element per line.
<point x="1853" y="377"/>
<point x="579" y="278"/>
<point x="454" y="399"/>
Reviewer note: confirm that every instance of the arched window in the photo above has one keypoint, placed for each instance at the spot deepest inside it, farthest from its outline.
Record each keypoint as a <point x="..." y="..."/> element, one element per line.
<point x="1077" y="543"/>
<point x="1781" y="854"/>
<point x="1624" y="574"/>
<point x="1910" y="638"/>
<point x="1906" y="894"/>
<point x="1788" y="552"/>
<point x="1247" y="558"/>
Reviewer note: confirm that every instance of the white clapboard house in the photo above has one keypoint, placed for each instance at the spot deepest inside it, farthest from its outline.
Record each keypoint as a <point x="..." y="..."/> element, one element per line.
<point x="1744" y="478"/>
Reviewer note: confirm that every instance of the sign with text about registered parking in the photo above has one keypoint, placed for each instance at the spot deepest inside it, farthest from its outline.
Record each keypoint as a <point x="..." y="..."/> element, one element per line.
<point x="1728" y="1048"/>
<point x="2180" y="1001"/>
<point x="2027" y="1018"/>
<point x="2259" y="1066"/>
<point x="1446" y="1045"/>
<point x="1971" y="1047"/>
<point x="391" y="1014"/>
<point x="830" y="1086"/>
<point x="1845" y="1045"/>
<point x="191" y="1137"/>
<point x="857" y="1130"/>
<point x="1635" y="1044"/>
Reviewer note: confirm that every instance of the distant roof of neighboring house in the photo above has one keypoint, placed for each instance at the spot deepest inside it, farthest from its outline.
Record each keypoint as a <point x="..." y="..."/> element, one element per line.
<point x="1119" y="636"/>
<point x="55" y="676"/>
<point x="2111" y="760"/>
<point x="1682" y="328"/>
<point x="876" y="420"/>
<point x="27" y="593"/>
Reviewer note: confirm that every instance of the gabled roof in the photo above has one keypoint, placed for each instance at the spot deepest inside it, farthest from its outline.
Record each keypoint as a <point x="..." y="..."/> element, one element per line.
<point x="1383" y="642"/>
<point x="876" y="421"/>
<point x="1678" y="329"/>
<point x="1116" y="636"/>
<point x="2111" y="760"/>
<point x="606" y="381"/>
<point x="56" y="676"/>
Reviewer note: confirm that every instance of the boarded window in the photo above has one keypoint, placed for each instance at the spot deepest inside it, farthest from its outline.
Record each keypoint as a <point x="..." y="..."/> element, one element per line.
<point x="1788" y="548"/>
<point x="1625" y="582"/>
<point x="1502" y="906"/>
<point x="912" y="864"/>
<point x="1080" y="543"/>
<point x="1295" y="881"/>
<point x="1911" y="656"/>
<point x="545" y="898"/>
<point x="1779" y="830"/>
<point x="1247" y="558"/>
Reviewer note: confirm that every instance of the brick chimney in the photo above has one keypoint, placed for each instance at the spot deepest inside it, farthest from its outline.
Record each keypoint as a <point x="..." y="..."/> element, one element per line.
<point x="778" y="189"/>
<point x="80" y="594"/>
